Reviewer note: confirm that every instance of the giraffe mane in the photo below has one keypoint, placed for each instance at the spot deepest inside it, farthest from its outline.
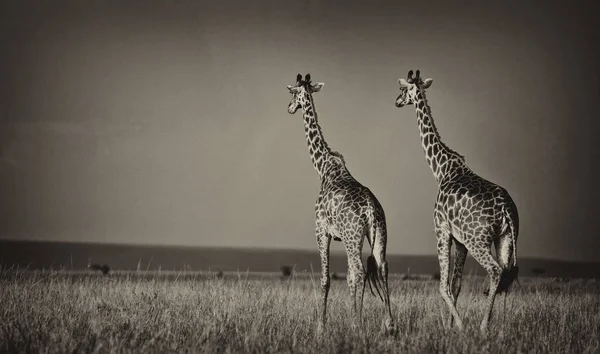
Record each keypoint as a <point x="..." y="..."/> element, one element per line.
<point x="428" y="108"/>
<point x="339" y="156"/>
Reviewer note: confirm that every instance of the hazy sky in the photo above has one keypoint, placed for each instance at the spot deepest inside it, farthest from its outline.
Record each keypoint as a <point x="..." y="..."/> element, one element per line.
<point x="165" y="122"/>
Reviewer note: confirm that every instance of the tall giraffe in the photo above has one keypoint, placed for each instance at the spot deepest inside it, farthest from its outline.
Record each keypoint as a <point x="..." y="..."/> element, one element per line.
<point x="470" y="211"/>
<point x="345" y="210"/>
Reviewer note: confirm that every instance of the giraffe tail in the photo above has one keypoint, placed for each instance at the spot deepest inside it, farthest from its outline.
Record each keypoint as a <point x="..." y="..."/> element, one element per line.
<point x="372" y="273"/>
<point x="372" y="277"/>
<point x="513" y="235"/>
<point x="512" y="273"/>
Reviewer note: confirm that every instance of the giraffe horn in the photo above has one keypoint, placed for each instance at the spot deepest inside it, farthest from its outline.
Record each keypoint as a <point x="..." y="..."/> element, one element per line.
<point x="307" y="78"/>
<point x="418" y="75"/>
<point x="298" y="78"/>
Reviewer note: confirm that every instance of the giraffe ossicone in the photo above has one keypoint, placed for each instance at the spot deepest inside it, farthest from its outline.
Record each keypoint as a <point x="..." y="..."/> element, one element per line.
<point x="345" y="211"/>
<point x="470" y="211"/>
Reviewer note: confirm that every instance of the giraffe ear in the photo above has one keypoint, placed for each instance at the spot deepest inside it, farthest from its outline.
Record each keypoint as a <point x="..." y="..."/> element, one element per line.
<point x="426" y="83"/>
<point x="402" y="82"/>
<point x="317" y="87"/>
<point x="293" y="89"/>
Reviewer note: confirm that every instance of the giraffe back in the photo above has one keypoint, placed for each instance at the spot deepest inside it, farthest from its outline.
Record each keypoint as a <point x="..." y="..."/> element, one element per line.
<point x="471" y="207"/>
<point x="345" y="206"/>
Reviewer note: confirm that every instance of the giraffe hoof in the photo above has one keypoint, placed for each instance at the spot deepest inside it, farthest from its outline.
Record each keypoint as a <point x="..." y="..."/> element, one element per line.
<point x="483" y="328"/>
<point x="456" y="324"/>
<point x="320" y="328"/>
<point x="389" y="327"/>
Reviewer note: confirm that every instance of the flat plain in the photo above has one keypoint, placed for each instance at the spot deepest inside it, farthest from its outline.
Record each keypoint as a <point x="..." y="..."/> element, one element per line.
<point x="62" y="311"/>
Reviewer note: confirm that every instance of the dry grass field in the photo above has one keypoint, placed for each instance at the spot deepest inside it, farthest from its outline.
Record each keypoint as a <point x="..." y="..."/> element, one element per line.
<point x="60" y="312"/>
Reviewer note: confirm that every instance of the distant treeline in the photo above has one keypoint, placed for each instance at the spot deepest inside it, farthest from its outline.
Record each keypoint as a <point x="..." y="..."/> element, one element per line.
<point x="77" y="256"/>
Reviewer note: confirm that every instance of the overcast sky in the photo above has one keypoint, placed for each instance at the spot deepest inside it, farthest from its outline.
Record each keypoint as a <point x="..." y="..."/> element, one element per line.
<point x="165" y="122"/>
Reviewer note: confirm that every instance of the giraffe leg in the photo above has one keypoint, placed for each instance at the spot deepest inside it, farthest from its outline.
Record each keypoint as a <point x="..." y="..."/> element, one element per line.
<point x="379" y="252"/>
<point x="359" y="284"/>
<point x="351" y="285"/>
<point x="460" y="255"/>
<point x="362" y="295"/>
<point x="356" y="278"/>
<point x="444" y="241"/>
<point x="323" y="242"/>
<point x="484" y="257"/>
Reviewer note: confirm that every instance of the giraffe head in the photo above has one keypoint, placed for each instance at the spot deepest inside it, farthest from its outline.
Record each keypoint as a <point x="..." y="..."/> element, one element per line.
<point x="301" y="92"/>
<point x="410" y="87"/>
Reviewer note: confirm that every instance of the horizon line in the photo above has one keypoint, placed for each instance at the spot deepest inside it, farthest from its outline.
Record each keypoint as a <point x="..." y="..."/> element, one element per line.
<point x="256" y="248"/>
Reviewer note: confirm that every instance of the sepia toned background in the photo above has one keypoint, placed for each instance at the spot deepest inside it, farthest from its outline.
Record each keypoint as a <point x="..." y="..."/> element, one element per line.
<point x="165" y="122"/>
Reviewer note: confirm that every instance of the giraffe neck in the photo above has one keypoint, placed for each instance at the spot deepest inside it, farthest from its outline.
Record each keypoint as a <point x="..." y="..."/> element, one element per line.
<point x="442" y="160"/>
<point x="317" y="146"/>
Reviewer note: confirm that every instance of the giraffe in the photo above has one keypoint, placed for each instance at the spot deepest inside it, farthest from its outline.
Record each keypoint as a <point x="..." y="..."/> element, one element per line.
<point x="470" y="211"/>
<point x="345" y="211"/>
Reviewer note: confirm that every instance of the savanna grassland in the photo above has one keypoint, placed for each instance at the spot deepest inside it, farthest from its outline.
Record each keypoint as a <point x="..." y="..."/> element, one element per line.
<point x="60" y="312"/>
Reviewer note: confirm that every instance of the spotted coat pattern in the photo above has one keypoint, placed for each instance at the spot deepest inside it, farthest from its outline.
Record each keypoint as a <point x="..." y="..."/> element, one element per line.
<point x="345" y="210"/>
<point x="470" y="211"/>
